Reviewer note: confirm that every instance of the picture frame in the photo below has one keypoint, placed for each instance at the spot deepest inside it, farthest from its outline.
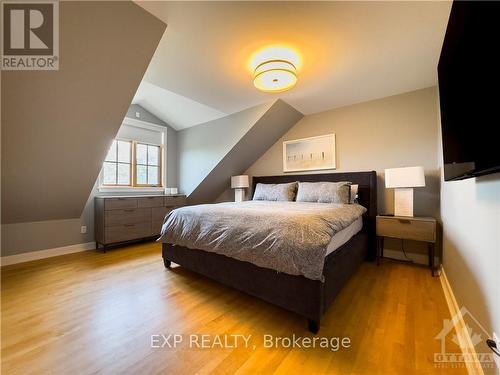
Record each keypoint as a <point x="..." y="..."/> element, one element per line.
<point x="309" y="154"/>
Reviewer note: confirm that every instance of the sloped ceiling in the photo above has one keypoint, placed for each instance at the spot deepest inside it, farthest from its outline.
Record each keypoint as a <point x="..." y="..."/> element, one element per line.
<point x="57" y="125"/>
<point x="275" y="122"/>
<point x="202" y="147"/>
<point x="176" y="110"/>
<point x="352" y="51"/>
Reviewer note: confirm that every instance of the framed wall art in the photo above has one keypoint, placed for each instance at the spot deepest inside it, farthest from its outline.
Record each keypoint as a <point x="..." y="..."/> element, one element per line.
<point x="309" y="154"/>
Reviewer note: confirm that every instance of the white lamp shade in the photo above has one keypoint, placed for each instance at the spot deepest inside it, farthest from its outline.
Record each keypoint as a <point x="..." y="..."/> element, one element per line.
<point x="404" y="177"/>
<point x="239" y="182"/>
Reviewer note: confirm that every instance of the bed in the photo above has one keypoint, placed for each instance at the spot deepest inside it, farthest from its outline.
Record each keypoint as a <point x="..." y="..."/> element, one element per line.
<point x="308" y="296"/>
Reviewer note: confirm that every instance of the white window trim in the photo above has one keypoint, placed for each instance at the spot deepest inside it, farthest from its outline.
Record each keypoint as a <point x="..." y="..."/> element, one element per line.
<point x="132" y="189"/>
<point x="143" y="124"/>
<point x="129" y="189"/>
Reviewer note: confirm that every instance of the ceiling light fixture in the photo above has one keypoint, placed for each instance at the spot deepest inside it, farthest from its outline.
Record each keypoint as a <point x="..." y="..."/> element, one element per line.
<point x="275" y="76"/>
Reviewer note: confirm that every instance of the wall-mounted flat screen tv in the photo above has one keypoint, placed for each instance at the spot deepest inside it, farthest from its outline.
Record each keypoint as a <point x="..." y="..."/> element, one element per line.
<point x="469" y="90"/>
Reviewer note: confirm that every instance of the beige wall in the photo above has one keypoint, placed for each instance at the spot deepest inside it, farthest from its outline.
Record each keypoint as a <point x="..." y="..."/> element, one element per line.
<point x="470" y="211"/>
<point x="391" y="132"/>
<point x="57" y="125"/>
<point x="58" y="233"/>
<point x="200" y="148"/>
<point x="470" y="214"/>
<point x="262" y="133"/>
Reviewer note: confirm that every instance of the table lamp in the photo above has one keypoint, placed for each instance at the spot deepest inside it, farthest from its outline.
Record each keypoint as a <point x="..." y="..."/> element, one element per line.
<point x="239" y="183"/>
<point x="403" y="180"/>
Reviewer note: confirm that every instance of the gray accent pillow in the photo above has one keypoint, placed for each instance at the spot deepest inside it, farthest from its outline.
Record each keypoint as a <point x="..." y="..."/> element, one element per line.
<point x="324" y="192"/>
<point x="275" y="192"/>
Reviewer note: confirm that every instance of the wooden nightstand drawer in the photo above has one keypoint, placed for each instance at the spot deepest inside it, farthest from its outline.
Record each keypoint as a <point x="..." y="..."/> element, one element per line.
<point x="411" y="228"/>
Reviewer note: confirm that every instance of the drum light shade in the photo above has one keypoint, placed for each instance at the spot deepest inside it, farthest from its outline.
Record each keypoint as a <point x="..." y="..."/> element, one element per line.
<point x="404" y="177"/>
<point x="275" y="76"/>
<point x="239" y="182"/>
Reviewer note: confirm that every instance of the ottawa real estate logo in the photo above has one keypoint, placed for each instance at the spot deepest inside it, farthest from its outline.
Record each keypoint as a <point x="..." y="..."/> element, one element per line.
<point x="30" y="35"/>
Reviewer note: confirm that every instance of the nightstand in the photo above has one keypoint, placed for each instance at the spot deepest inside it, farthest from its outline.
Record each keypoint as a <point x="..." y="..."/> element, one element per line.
<point x="407" y="228"/>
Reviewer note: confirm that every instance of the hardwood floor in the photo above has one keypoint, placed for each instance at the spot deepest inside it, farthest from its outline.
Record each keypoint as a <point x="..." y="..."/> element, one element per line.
<point x="91" y="312"/>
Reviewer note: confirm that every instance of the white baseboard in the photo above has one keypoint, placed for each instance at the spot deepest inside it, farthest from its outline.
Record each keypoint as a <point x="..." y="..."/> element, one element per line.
<point x="48" y="253"/>
<point x="465" y="340"/>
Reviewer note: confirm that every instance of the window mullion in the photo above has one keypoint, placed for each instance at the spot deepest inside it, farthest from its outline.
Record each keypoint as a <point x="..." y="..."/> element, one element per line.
<point x="132" y="149"/>
<point x="133" y="166"/>
<point x="147" y="161"/>
<point x="116" y="164"/>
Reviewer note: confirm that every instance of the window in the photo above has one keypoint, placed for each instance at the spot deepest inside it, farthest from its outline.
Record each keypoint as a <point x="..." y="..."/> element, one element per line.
<point x="147" y="165"/>
<point x="117" y="166"/>
<point x="132" y="164"/>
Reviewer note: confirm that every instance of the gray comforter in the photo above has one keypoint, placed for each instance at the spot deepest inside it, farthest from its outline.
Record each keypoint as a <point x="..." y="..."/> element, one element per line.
<point x="289" y="237"/>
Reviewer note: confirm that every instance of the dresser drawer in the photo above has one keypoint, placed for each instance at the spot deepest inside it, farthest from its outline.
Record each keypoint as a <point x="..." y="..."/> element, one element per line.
<point x="126" y="232"/>
<point x="150" y="202"/>
<point x="128" y="216"/>
<point x="175" y="201"/>
<point x="156" y="227"/>
<point x="159" y="213"/>
<point x="411" y="229"/>
<point x="123" y="218"/>
<point x="119" y="203"/>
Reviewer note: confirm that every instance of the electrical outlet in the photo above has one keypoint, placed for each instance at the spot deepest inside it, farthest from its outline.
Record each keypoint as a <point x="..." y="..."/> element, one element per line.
<point x="138" y="114"/>
<point x="83" y="229"/>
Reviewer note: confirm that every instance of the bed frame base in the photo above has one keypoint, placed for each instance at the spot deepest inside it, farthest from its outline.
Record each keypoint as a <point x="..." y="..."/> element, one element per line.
<point x="306" y="297"/>
<point x="313" y="325"/>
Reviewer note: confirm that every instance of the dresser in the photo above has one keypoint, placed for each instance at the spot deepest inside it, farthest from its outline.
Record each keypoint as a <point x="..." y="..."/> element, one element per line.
<point x="120" y="219"/>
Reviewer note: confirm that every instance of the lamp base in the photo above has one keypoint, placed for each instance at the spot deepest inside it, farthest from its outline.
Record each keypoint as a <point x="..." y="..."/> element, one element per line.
<point x="403" y="202"/>
<point x="239" y="195"/>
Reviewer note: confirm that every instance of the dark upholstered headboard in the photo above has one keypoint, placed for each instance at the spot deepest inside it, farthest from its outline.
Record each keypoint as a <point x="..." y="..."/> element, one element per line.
<point x="367" y="190"/>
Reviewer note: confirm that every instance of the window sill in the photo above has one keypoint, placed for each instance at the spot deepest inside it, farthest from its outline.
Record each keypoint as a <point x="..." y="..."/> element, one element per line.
<point x="126" y="189"/>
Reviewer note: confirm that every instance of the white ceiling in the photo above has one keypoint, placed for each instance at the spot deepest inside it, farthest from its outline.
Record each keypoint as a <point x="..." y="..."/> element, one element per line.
<point x="176" y="110"/>
<point x="351" y="51"/>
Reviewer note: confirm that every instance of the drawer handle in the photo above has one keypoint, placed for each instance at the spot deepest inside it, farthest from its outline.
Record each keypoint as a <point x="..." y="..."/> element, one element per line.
<point x="121" y="199"/>
<point x="404" y="221"/>
<point x="128" y="225"/>
<point x="128" y="210"/>
<point x="151" y="197"/>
